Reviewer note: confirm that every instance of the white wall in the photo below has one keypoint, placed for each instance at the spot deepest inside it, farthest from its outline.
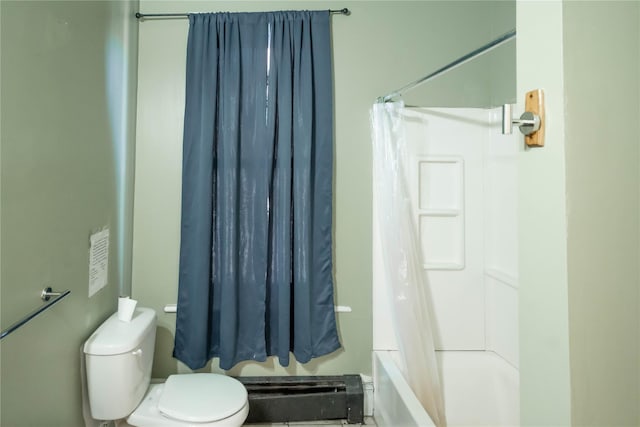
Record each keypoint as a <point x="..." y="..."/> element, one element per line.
<point x="542" y="226"/>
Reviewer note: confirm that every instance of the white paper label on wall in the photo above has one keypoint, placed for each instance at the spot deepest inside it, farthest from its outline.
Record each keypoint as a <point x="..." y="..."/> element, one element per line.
<point x="98" y="261"/>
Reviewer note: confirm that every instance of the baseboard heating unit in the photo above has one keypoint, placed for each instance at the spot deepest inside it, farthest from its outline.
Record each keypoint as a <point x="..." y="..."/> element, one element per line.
<point x="297" y="398"/>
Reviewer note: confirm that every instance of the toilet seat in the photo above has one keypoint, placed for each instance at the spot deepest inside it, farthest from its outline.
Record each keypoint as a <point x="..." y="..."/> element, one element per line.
<point x="148" y="413"/>
<point x="201" y="398"/>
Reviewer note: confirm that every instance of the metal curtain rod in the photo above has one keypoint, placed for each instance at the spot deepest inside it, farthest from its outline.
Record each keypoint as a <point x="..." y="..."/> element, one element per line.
<point x="462" y="60"/>
<point x="142" y="16"/>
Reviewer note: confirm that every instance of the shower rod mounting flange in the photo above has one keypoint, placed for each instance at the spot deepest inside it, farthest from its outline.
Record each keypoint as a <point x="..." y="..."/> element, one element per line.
<point x="531" y="122"/>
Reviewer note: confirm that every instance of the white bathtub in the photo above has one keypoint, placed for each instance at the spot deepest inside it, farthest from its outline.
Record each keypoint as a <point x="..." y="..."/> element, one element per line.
<point x="394" y="405"/>
<point x="480" y="389"/>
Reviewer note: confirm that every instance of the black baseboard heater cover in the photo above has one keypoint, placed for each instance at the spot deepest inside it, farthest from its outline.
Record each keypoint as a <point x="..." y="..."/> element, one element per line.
<point x="283" y="399"/>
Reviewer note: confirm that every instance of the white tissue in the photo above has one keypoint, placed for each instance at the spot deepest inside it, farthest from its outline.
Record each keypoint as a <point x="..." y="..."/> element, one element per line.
<point x="126" y="307"/>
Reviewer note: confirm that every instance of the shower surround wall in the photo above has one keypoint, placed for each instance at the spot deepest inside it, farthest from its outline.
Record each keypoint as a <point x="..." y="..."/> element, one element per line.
<point x="462" y="177"/>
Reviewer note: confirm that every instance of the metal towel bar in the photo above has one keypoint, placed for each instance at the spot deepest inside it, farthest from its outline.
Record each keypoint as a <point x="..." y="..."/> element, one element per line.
<point x="46" y="294"/>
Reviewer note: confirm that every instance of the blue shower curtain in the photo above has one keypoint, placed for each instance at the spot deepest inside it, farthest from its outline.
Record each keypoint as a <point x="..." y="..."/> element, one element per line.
<point x="256" y="233"/>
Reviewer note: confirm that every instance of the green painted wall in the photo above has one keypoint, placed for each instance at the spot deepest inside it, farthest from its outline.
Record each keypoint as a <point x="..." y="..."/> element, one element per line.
<point x="65" y="110"/>
<point x="382" y="46"/>
<point x="601" y="44"/>
<point x="579" y="215"/>
<point x="60" y="179"/>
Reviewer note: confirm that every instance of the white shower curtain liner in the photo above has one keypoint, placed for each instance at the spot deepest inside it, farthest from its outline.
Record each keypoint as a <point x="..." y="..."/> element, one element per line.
<point x="404" y="279"/>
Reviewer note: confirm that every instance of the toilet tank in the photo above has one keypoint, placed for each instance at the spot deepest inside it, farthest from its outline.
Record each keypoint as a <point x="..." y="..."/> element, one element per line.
<point x="118" y="358"/>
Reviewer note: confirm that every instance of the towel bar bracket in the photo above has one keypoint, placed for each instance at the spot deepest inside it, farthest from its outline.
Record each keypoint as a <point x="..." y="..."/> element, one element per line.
<point x="47" y="293"/>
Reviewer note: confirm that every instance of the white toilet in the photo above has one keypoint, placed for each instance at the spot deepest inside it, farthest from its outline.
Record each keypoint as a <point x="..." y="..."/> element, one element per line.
<point x="118" y="359"/>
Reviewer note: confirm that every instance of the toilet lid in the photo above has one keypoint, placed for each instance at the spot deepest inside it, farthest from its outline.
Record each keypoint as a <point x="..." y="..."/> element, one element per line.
<point x="201" y="398"/>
